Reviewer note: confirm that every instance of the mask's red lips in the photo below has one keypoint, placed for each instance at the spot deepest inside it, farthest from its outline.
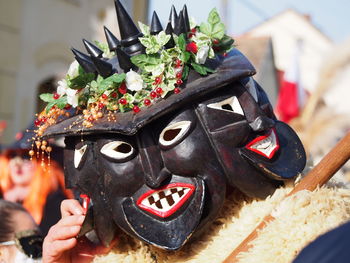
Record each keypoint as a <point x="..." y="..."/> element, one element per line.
<point x="165" y="201"/>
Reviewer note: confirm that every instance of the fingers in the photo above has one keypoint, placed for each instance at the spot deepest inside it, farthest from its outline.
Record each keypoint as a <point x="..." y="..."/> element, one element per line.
<point x="58" y="251"/>
<point x="71" y="207"/>
<point x="66" y="228"/>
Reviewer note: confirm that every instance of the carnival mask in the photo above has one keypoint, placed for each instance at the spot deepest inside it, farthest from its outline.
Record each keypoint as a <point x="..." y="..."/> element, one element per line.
<point x="160" y="171"/>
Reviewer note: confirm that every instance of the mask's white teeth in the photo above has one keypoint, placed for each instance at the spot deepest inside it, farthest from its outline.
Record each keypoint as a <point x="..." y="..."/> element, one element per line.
<point x="166" y="199"/>
<point x="264" y="143"/>
<point x="266" y="146"/>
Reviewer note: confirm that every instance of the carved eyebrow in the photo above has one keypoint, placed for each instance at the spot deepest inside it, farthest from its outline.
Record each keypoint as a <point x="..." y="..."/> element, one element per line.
<point x="230" y="104"/>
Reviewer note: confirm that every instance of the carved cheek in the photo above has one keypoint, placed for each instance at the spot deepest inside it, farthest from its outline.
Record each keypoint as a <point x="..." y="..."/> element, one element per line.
<point x="191" y="156"/>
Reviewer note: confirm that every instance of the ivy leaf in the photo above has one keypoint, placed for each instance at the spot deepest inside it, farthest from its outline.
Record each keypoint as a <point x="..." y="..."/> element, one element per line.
<point x="201" y="69"/>
<point x="61" y="102"/>
<point x="143" y="60"/>
<point x="93" y="86"/>
<point x="49" y="106"/>
<point x="218" y="31"/>
<point x="186" y="56"/>
<point x="185" y="72"/>
<point x="214" y="17"/>
<point x="205" y="28"/>
<point x="163" y="38"/>
<point x="81" y="80"/>
<point x="226" y="43"/>
<point x="144" y="29"/>
<point x="47" y="97"/>
<point x="182" y="42"/>
<point x="117" y="78"/>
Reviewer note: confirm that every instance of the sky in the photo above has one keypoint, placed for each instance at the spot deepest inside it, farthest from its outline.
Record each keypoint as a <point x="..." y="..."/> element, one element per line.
<point x="331" y="17"/>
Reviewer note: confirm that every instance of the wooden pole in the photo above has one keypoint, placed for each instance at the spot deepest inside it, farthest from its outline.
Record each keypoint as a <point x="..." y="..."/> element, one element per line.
<point x="318" y="176"/>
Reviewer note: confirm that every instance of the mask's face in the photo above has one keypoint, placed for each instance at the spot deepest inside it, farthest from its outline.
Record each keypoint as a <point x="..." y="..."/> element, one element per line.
<point x="169" y="180"/>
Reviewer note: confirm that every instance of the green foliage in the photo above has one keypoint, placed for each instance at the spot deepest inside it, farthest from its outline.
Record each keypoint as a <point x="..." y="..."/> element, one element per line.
<point x="157" y="68"/>
<point x="81" y="80"/>
<point x="47" y="97"/>
<point x="214" y="28"/>
<point x="201" y="69"/>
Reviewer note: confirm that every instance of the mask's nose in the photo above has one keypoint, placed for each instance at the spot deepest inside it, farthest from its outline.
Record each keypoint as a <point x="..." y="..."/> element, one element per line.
<point x="154" y="171"/>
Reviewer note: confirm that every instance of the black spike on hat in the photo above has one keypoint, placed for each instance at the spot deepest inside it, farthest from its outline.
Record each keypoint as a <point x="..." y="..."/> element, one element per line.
<point x="180" y="25"/>
<point x="92" y="49"/>
<point x="112" y="40"/>
<point x="169" y="31"/>
<point x="186" y="18"/>
<point x="84" y="61"/>
<point x="128" y="31"/>
<point x="104" y="68"/>
<point x="124" y="61"/>
<point x="156" y="26"/>
<point x="173" y="16"/>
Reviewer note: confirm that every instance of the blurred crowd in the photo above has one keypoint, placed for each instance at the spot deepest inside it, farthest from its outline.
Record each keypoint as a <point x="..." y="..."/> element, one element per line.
<point x="31" y="192"/>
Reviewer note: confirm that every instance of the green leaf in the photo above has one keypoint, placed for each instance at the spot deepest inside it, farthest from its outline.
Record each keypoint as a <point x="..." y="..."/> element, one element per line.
<point x="81" y="80"/>
<point x="143" y="59"/>
<point x="218" y="31"/>
<point x="93" y="86"/>
<point x="226" y="43"/>
<point x="163" y="38"/>
<point x="47" y="97"/>
<point x="144" y="29"/>
<point x="121" y="108"/>
<point x="186" y="56"/>
<point x="214" y="17"/>
<point x="182" y="42"/>
<point x="117" y="78"/>
<point x="201" y="69"/>
<point x="185" y="72"/>
<point x="50" y="105"/>
<point x="61" y="102"/>
<point x="81" y="70"/>
<point x="145" y="41"/>
<point x="205" y="28"/>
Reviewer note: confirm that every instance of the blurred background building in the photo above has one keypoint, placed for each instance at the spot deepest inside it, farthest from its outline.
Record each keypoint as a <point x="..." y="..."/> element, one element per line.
<point x="36" y="37"/>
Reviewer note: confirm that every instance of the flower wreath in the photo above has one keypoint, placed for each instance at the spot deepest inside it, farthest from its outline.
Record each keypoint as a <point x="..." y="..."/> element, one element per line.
<point x="158" y="73"/>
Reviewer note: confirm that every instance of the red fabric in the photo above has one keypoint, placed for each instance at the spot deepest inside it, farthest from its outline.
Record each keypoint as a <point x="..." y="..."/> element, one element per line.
<point x="288" y="106"/>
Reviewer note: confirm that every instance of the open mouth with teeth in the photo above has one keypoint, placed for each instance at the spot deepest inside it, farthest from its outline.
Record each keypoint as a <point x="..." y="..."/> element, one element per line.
<point x="165" y="201"/>
<point x="265" y="145"/>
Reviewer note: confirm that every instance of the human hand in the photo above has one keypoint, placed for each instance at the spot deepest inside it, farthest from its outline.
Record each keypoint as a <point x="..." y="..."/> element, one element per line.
<point x="61" y="239"/>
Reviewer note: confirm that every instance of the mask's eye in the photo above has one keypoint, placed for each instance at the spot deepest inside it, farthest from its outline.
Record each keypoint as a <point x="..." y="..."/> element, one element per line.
<point x="174" y="132"/>
<point x="78" y="155"/>
<point x="231" y="104"/>
<point x="117" y="150"/>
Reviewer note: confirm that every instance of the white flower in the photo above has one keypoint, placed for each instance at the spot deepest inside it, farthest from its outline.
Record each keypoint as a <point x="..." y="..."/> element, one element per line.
<point x="202" y="54"/>
<point x="62" y="87"/>
<point x="73" y="70"/>
<point x="72" y="97"/>
<point x="134" y="81"/>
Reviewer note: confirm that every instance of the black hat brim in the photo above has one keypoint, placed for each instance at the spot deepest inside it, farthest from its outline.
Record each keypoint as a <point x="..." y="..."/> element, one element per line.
<point x="234" y="66"/>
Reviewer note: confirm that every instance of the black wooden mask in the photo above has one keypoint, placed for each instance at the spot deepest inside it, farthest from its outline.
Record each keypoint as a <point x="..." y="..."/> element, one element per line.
<point x="161" y="175"/>
<point x="169" y="179"/>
